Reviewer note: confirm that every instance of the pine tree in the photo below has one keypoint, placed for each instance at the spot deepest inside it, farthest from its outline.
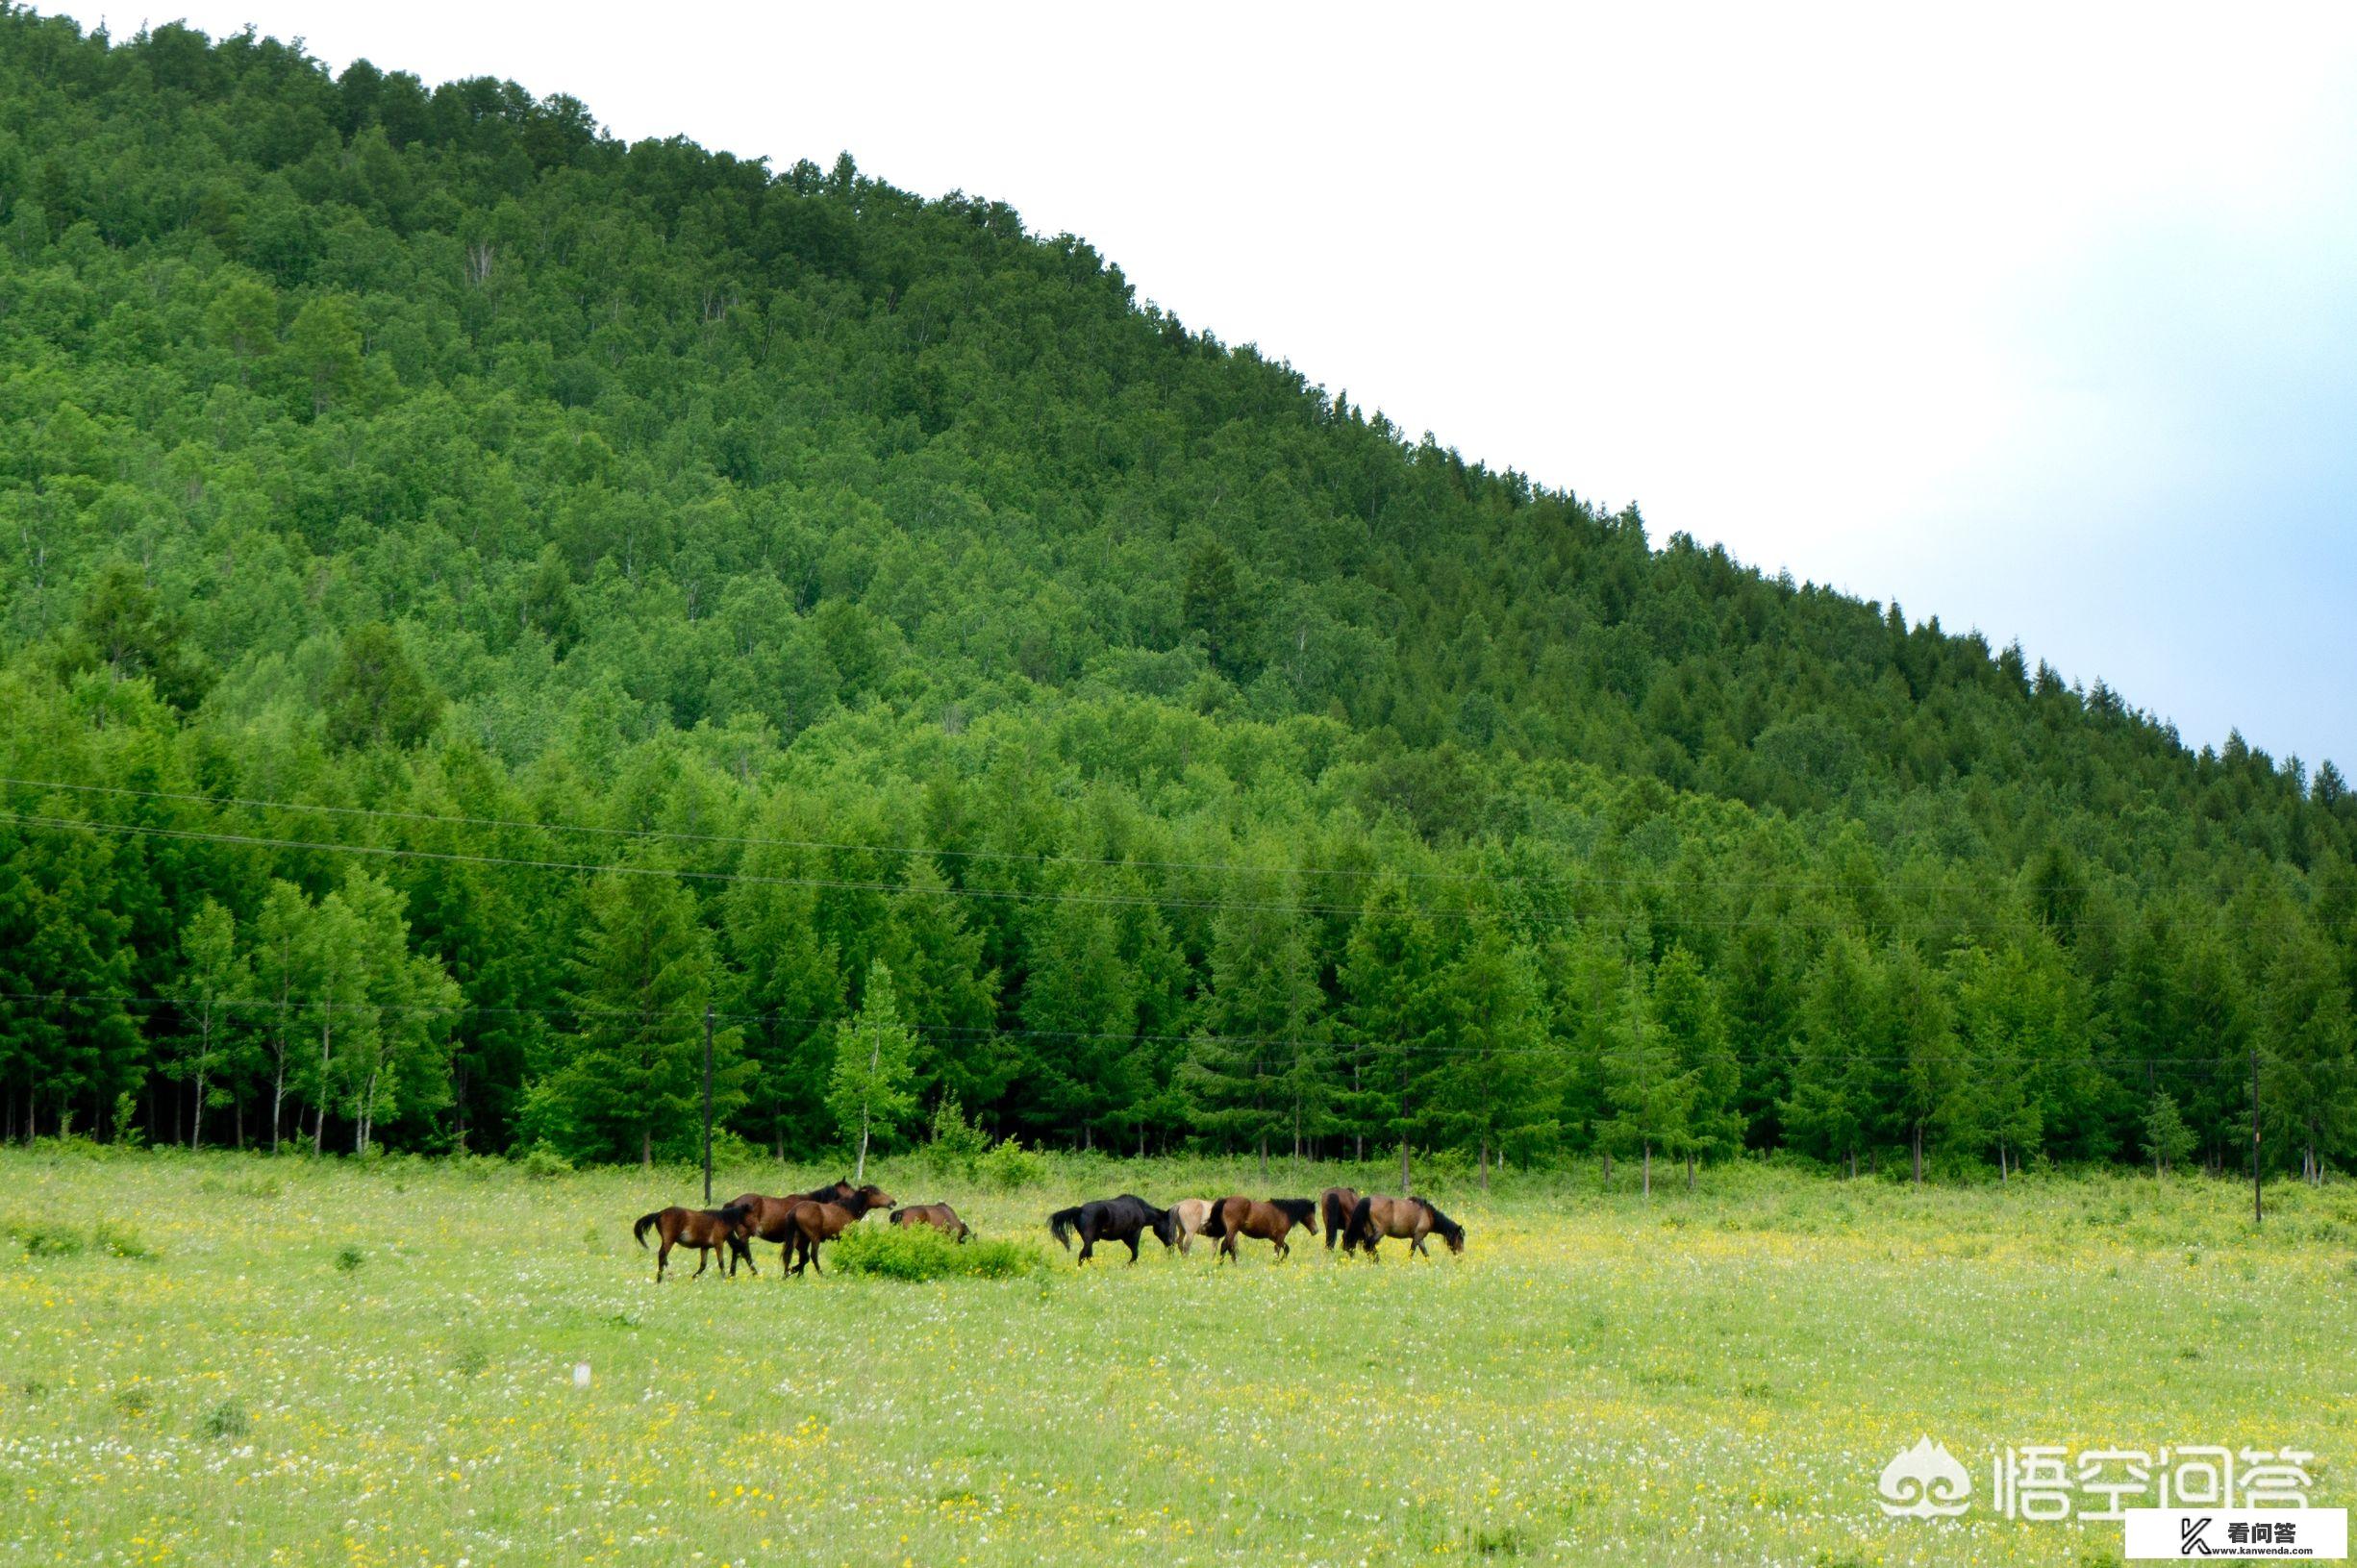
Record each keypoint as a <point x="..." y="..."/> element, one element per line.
<point x="629" y="1079"/>
<point x="1685" y="1012"/>
<point x="1392" y="1017"/>
<point x="1495" y="1082"/>
<point x="1832" y="1103"/>
<point x="1651" y="1096"/>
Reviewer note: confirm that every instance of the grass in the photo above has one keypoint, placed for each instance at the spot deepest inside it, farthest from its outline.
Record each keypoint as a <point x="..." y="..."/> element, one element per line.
<point x="1695" y="1378"/>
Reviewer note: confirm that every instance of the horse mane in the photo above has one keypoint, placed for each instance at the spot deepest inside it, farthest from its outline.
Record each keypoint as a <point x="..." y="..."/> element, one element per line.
<point x="1297" y="1210"/>
<point x="1450" y="1229"/>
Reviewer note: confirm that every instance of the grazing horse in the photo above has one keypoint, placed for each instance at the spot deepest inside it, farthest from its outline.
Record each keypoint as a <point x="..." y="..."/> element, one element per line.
<point x="1334" y="1206"/>
<point x="941" y="1216"/>
<point x="1188" y="1217"/>
<point x="1414" y="1218"/>
<point x="706" y="1229"/>
<point x="813" y="1222"/>
<point x="1111" y="1219"/>
<point x="772" y="1217"/>
<point x="1272" y="1221"/>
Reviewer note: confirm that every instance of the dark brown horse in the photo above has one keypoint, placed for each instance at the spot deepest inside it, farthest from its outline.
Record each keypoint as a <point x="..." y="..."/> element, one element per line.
<point x="772" y="1217"/>
<point x="1334" y="1206"/>
<point x="1413" y="1218"/>
<point x="815" y="1222"/>
<point x="941" y="1216"/>
<point x="1271" y="1221"/>
<point x="706" y="1229"/>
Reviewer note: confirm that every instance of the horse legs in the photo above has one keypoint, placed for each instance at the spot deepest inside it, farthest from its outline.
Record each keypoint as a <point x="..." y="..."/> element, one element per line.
<point x="1283" y="1251"/>
<point x="1371" y="1243"/>
<point x="703" y="1259"/>
<point x="1087" y="1244"/>
<point x="1132" y="1249"/>
<point x="1415" y="1245"/>
<point x="662" y="1259"/>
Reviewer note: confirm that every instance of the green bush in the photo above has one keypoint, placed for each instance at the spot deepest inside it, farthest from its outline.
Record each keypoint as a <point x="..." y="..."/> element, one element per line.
<point x="350" y="1258"/>
<point x="120" y="1240"/>
<point x="1008" y="1166"/>
<point x="545" y="1164"/>
<point x="44" y="1239"/>
<point x="896" y="1252"/>
<point x="226" y="1419"/>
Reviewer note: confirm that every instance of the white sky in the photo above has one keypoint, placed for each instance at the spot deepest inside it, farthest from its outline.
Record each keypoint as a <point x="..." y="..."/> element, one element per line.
<point x="2042" y="320"/>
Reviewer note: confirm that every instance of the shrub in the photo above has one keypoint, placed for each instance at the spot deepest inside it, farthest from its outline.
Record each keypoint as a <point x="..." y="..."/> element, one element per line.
<point x="956" y="1146"/>
<point x="44" y="1239"/>
<point x="350" y="1258"/>
<point x="1010" y="1165"/>
<point x="120" y="1240"/>
<point x="894" y="1251"/>
<point x="545" y="1164"/>
<point x="226" y="1419"/>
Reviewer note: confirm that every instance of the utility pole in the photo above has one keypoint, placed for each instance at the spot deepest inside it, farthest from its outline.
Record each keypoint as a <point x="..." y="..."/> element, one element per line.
<point x="2258" y="1212"/>
<point x="708" y="1104"/>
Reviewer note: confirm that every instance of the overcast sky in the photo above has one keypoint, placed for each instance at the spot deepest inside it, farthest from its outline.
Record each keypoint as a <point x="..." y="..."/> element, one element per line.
<point x="2043" y="321"/>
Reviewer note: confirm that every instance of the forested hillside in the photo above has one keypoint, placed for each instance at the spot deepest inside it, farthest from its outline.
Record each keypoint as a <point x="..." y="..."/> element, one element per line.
<point x="480" y="601"/>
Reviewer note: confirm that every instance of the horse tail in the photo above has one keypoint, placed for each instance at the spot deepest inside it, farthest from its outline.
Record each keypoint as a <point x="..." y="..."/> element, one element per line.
<point x="1060" y="1224"/>
<point x="1361" y="1220"/>
<point x="646" y="1221"/>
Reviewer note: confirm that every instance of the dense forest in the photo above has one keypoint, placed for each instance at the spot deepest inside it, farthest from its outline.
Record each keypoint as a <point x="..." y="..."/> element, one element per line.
<point x="483" y="606"/>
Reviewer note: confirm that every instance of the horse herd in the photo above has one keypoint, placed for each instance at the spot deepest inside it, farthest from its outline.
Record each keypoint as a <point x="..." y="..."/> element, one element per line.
<point x="801" y="1221"/>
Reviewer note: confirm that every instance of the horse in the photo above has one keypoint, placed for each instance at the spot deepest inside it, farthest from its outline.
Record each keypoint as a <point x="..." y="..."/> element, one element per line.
<point x="706" y="1229"/>
<point x="1334" y="1206"/>
<point x="1414" y="1218"/>
<point x="1271" y="1221"/>
<point x="772" y="1217"/>
<point x="815" y="1222"/>
<point x="1188" y="1217"/>
<point x="1111" y="1219"/>
<point x="941" y="1216"/>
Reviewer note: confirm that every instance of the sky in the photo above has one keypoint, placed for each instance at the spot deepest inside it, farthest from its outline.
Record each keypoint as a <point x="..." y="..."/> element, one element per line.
<point x="2042" y="320"/>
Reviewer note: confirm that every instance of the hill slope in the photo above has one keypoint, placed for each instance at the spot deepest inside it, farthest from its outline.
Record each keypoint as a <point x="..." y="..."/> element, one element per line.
<point x="879" y="585"/>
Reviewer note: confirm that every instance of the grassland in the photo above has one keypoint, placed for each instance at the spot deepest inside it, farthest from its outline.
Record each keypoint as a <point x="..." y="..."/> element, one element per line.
<point x="334" y="1362"/>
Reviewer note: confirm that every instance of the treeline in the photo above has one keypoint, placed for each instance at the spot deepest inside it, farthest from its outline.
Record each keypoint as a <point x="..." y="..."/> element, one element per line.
<point x="1127" y="925"/>
<point x="477" y="598"/>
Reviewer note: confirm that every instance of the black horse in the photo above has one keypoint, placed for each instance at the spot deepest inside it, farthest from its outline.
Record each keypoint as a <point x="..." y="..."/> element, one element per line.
<point x="1113" y="1219"/>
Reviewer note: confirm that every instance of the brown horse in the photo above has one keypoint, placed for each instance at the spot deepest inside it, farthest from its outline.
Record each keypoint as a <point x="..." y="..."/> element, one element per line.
<point x="815" y="1222"/>
<point x="706" y="1229"/>
<point x="1272" y="1221"/>
<point x="1334" y="1206"/>
<point x="941" y="1216"/>
<point x="772" y="1217"/>
<point x="1414" y="1218"/>
<point x="1186" y="1219"/>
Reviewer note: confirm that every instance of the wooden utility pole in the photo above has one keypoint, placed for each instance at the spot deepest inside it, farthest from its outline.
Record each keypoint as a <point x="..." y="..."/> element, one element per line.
<point x="708" y="1104"/>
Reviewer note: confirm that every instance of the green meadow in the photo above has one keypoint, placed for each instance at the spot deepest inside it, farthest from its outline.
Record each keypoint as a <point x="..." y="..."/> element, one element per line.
<point x="229" y="1360"/>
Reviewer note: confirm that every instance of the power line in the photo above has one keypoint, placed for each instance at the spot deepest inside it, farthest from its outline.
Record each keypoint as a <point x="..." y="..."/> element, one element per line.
<point x="1776" y="918"/>
<point x="692" y="1015"/>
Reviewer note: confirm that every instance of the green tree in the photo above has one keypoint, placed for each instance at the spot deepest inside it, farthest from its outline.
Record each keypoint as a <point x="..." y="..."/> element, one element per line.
<point x="871" y="1089"/>
<point x="1392" y="1018"/>
<point x="323" y="349"/>
<point x="376" y="695"/>
<point x="1492" y="1089"/>
<point x="215" y="983"/>
<point x="1686" y="1017"/>
<point x="2167" y="1137"/>
<point x="1650" y="1094"/>
<point x="629" y="1078"/>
